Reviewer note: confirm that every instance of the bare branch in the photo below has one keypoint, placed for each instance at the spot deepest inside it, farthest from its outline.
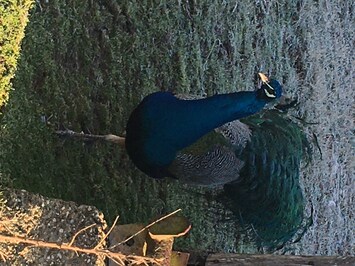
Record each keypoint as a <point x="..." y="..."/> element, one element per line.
<point x="3" y="256"/>
<point x="80" y="231"/>
<point x="106" y="235"/>
<point x="98" y="252"/>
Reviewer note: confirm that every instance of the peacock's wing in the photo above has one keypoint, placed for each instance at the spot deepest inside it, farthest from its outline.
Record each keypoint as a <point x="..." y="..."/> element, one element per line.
<point x="268" y="195"/>
<point x="213" y="160"/>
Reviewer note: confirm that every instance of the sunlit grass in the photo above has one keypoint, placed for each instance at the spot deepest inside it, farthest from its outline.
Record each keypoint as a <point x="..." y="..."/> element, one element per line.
<point x="14" y="17"/>
<point x="88" y="74"/>
<point x="86" y="64"/>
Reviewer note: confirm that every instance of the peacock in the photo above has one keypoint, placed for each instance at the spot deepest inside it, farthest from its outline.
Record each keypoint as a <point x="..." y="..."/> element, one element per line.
<point x="196" y="140"/>
<point x="229" y="141"/>
<point x="226" y="140"/>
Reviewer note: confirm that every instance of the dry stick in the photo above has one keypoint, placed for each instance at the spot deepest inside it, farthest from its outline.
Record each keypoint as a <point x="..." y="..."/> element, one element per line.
<point x="3" y="256"/>
<point x="106" y="235"/>
<point x="118" y="261"/>
<point x="149" y="225"/>
<point x="117" y="257"/>
<point x="97" y="252"/>
<point x="7" y="228"/>
<point x="81" y="230"/>
<point x="101" y="260"/>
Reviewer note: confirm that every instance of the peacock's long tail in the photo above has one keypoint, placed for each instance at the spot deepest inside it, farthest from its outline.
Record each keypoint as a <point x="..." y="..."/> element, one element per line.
<point x="268" y="196"/>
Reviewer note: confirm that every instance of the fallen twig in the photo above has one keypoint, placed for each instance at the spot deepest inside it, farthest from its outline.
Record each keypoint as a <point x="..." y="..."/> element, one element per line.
<point x="106" y="235"/>
<point x="118" y="257"/>
<point x="77" y="233"/>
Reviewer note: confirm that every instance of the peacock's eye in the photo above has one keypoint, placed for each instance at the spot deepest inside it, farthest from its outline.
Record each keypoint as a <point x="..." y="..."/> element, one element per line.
<point x="269" y="91"/>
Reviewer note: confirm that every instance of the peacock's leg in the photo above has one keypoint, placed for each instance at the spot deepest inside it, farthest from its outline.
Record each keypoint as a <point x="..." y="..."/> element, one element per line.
<point x="85" y="137"/>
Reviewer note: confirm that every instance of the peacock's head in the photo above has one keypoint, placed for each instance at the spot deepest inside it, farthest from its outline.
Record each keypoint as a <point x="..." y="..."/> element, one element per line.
<point x="270" y="89"/>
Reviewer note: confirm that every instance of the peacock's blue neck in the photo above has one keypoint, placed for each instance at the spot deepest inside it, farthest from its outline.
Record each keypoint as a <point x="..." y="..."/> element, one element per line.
<point x="191" y="119"/>
<point x="164" y="124"/>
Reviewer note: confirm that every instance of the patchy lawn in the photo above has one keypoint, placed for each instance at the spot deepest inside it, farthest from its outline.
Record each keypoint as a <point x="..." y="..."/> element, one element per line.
<point x="86" y="64"/>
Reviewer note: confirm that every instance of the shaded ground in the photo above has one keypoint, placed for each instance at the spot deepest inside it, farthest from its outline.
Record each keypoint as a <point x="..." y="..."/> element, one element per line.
<point x="85" y="65"/>
<point x="37" y="217"/>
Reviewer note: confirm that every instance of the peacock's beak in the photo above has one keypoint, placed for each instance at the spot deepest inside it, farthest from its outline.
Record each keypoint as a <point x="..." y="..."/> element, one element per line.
<point x="263" y="77"/>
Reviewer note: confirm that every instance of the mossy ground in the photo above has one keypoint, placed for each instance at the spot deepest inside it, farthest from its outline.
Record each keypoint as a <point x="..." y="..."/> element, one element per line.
<point x="86" y="64"/>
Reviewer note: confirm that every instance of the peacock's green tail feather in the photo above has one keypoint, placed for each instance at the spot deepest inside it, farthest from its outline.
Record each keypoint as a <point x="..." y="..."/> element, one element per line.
<point x="268" y="196"/>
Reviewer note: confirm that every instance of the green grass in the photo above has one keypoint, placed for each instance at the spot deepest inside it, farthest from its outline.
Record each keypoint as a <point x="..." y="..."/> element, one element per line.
<point x="14" y="17"/>
<point x="86" y="64"/>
